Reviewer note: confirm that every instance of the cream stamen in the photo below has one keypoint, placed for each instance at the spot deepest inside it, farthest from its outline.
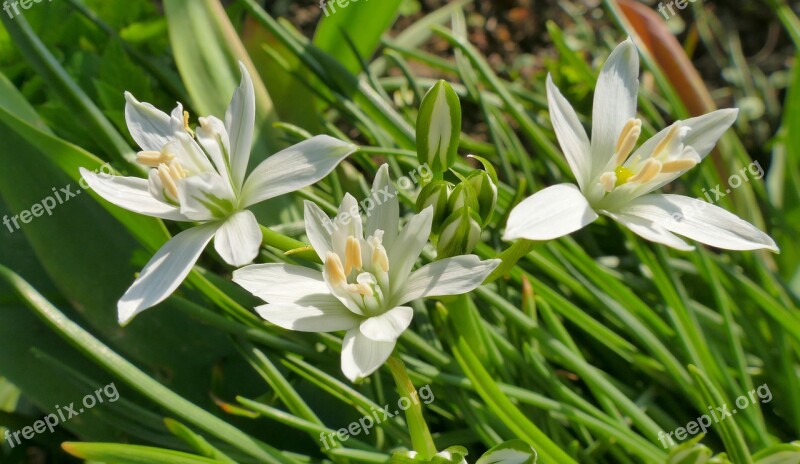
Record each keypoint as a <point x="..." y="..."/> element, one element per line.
<point x="333" y="267"/>
<point x="608" y="180"/>
<point x="627" y="140"/>
<point x="650" y="169"/>
<point x="352" y="255"/>
<point x="678" y="165"/>
<point x="153" y="159"/>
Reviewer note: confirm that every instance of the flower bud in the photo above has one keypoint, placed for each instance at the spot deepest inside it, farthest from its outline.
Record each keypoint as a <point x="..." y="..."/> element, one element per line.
<point x="486" y="192"/>
<point x="463" y="195"/>
<point x="452" y="455"/>
<point x="511" y="451"/>
<point x="460" y="233"/>
<point x="435" y="194"/>
<point x="439" y="127"/>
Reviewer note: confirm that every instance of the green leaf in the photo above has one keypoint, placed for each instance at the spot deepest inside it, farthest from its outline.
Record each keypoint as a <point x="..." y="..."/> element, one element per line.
<point x="76" y="99"/>
<point x="135" y="378"/>
<point x="363" y="20"/>
<point x="197" y="442"/>
<point x="132" y="454"/>
<point x="207" y="48"/>
<point x="503" y="408"/>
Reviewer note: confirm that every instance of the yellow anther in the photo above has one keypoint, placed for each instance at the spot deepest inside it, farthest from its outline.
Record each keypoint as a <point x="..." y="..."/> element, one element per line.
<point x="650" y="170"/>
<point x="352" y="255"/>
<point x="167" y="181"/>
<point x="153" y="159"/>
<point x="664" y="144"/>
<point x="623" y="174"/>
<point x="627" y="140"/>
<point x="186" y="123"/>
<point x="360" y="289"/>
<point x="176" y="170"/>
<point x="379" y="258"/>
<point x="608" y="180"/>
<point x="678" y="165"/>
<point x="333" y="267"/>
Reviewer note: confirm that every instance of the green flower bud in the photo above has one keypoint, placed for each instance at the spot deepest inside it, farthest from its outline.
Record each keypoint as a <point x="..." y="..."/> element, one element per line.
<point x="452" y="455"/>
<point x="511" y="451"/>
<point x="459" y="234"/>
<point x="439" y="127"/>
<point x="463" y="195"/>
<point x="435" y="194"/>
<point x="486" y="191"/>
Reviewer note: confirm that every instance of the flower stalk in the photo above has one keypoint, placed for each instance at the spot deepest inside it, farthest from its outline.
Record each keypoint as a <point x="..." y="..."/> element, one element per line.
<point x="421" y="438"/>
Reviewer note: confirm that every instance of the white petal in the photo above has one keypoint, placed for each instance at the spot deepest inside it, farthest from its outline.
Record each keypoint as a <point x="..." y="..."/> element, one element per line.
<point x="383" y="210"/>
<point x="650" y="230"/>
<point x="131" y="193"/>
<point x="571" y="134"/>
<point x="280" y="283"/>
<point x="294" y="168"/>
<point x="550" y="213"/>
<point x="388" y="326"/>
<point x="347" y="223"/>
<point x="319" y="229"/>
<point x="164" y="272"/>
<point x="704" y="131"/>
<point x="362" y="356"/>
<point x="408" y="246"/>
<point x="214" y="139"/>
<point x="614" y="102"/>
<point x="708" y="128"/>
<point x="205" y="197"/>
<point x="450" y="276"/>
<point x="330" y="318"/>
<point x="240" y="122"/>
<point x="150" y="127"/>
<point x="239" y="239"/>
<point x="700" y="221"/>
<point x="188" y="152"/>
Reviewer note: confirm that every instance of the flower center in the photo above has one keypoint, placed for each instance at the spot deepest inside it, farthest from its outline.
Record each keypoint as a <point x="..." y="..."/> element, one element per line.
<point x="364" y="282"/>
<point x="668" y="157"/>
<point x="168" y="168"/>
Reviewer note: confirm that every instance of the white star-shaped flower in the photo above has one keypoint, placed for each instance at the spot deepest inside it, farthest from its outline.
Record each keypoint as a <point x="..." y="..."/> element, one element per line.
<point x="366" y="281"/>
<point x="203" y="178"/>
<point x="616" y="181"/>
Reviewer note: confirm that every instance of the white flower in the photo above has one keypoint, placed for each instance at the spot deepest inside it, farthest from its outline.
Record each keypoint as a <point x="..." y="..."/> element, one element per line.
<point x="202" y="178"/>
<point x="366" y="280"/>
<point x="617" y="184"/>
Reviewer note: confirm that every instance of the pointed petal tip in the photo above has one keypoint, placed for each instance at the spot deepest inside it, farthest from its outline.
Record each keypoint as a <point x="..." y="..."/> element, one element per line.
<point x="494" y="262"/>
<point x="126" y="311"/>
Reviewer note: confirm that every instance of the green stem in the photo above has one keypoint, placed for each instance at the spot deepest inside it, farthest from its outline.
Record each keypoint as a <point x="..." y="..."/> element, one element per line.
<point x="421" y="438"/>
<point x="284" y="243"/>
<point x="510" y="256"/>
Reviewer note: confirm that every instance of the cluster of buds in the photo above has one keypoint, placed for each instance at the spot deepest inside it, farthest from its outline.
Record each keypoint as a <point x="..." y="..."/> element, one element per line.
<point x="460" y="211"/>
